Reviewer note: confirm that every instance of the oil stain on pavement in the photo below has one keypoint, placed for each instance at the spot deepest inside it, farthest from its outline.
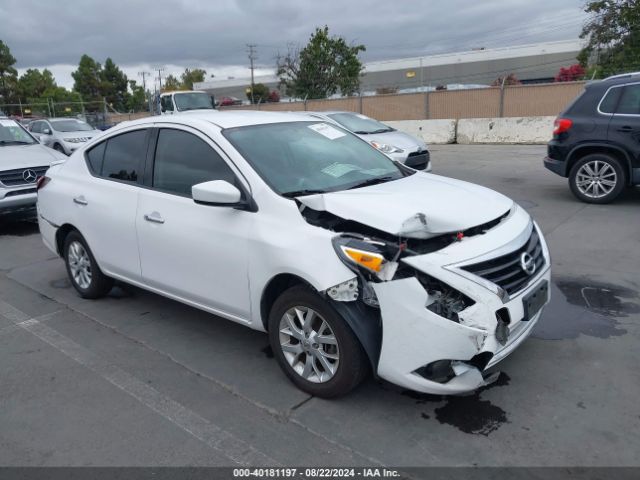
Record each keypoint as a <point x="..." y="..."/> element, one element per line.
<point x="585" y="307"/>
<point x="469" y="413"/>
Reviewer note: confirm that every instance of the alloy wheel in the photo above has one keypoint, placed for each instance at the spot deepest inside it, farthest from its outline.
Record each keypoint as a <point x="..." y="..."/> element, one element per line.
<point x="79" y="264"/>
<point x="309" y="344"/>
<point x="596" y="179"/>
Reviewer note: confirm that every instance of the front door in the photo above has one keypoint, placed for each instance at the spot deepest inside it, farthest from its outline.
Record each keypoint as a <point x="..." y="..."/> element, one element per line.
<point x="191" y="251"/>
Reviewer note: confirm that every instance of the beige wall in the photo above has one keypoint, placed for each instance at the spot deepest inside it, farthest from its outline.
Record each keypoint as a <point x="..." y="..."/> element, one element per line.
<point x="517" y="101"/>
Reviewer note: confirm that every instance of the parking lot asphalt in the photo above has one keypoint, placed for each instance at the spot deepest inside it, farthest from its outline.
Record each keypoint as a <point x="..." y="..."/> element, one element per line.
<point x="137" y="379"/>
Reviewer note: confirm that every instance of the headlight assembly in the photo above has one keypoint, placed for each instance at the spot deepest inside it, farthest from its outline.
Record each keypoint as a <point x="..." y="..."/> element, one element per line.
<point x="384" y="148"/>
<point x="365" y="256"/>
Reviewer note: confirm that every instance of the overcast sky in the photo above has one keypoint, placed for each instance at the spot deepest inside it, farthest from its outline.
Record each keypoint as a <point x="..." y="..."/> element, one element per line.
<point x="141" y="34"/>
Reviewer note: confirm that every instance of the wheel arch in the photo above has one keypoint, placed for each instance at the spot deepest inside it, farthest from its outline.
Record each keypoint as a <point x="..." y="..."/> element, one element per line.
<point x="61" y="235"/>
<point x="583" y="150"/>
<point x="364" y="321"/>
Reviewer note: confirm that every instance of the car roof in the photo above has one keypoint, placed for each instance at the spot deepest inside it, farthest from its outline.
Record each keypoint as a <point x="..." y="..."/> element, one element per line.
<point x="225" y="119"/>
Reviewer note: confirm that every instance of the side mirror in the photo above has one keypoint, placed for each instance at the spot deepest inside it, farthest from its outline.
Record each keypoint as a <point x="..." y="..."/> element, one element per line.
<point x="216" y="192"/>
<point x="46" y="131"/>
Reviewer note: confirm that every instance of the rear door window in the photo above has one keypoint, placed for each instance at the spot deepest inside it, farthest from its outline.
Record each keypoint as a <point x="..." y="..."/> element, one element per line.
<point x="629" y="103"/>
<point x="121" y="157"/>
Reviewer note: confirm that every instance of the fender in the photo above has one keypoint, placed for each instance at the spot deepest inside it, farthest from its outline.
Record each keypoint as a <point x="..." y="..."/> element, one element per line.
<point x="572" y="153"/>
<point x="366" y="323"/>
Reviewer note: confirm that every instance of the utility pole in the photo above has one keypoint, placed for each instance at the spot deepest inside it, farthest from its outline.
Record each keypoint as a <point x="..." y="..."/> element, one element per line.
<point x="159" y="70"/>
<point x="144" y="74"/>
<point x="252" y="57"/>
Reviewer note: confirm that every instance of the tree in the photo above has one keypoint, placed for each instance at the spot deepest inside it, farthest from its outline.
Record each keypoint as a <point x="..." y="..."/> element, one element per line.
<point x="260" y="93"/>
<point x="510" y="79"/>
<point x="189" y="77"/>
<point x="570" y="74"/>
<point x="33" y="83"/>
<point x="88" y="81"/>
<point x="137" y="100"/>
<point x="8" y="74"/>
<point x="171" y="83"/>
<point x="326" y="65"/>
<point x="114" y="85"/>
<point x="613" y="37"/>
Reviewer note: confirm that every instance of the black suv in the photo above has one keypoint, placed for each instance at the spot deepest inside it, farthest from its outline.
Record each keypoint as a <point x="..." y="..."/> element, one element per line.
<point x="596" y="140"/>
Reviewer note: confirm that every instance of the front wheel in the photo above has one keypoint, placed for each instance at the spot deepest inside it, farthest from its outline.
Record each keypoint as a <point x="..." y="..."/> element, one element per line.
<point x="314" y="346"/>
<point x="597" y="178"/>
<point x="82" y="268"/>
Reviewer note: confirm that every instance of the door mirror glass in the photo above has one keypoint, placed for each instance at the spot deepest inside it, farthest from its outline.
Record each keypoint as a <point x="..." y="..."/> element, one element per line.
<point x="216" y="192"/>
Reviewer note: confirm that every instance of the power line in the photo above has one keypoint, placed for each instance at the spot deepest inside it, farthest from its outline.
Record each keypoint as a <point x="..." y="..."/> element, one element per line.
<point x="144" y="80"/>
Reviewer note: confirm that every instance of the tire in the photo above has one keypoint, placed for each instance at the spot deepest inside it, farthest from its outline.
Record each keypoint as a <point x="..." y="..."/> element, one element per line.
<point x="347" y="353"/>
<point x="82" y="268"/>
<point x="587" y="177"/>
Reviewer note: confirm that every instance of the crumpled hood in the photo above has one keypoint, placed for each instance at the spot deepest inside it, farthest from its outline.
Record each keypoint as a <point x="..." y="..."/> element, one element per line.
<point x="419" y="206"/>
<point x="26" y="156"/>
<point x="398" y="139"/>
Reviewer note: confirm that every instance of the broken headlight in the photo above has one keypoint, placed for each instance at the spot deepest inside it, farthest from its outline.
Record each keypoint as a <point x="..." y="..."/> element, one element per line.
<point x="365" y="256"/>
<point x="445" y="301"/>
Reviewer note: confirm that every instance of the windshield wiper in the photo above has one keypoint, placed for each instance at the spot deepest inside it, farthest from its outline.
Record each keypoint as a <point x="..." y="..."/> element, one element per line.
<point x="14" y="142"/>
<point x="372" y="181"/>
<point x="301" y="193"/>
<point x="361" y="132"/>
<point x="383" y="130"/>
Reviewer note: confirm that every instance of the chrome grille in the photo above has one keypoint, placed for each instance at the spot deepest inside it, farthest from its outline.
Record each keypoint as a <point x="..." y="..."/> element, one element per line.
<point x="506" y="270"/>
<point x="11" y="178"/>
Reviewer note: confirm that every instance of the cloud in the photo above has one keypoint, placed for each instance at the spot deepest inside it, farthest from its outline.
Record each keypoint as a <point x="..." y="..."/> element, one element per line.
<point x="213" y="35"/>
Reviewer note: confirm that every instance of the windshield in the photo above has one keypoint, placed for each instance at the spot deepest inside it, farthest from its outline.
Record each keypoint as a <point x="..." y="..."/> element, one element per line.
<point x="11" y="133"/>
<point x="70" y="126"/>
<point x="301" y="158"/>
<point x="192" y="101"/>
<point x="360" y="124"/>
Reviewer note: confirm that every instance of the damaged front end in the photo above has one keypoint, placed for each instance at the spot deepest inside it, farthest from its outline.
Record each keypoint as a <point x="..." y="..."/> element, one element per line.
<point x="438" y="335"/>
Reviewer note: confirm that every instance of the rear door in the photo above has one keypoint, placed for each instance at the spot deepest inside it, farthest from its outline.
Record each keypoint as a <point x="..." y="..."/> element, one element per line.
<point x="105" y="206"/>
<point x="624" y="126"/>
<point x="191" y="251"/>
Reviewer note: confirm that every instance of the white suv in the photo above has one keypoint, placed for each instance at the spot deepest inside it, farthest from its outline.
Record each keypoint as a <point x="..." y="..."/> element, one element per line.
<point x="294" y="226"/>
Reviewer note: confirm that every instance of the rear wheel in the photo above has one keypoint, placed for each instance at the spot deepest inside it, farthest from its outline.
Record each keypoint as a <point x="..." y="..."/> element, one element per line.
<point x="82" y="268"/>
<point x="597" y="178"/>
<point x="314" y="346"/>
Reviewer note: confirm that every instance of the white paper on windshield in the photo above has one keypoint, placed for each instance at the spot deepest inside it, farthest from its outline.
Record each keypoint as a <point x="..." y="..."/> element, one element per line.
<point x="8" y="123"/>
<point x="339" y="169"/>
<point x="327" y="130"/>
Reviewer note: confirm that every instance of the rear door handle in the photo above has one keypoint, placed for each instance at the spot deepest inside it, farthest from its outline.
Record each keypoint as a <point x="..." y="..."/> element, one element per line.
<point x="626" y="128"/>
<point x="80" y="200"/>
<point x="154" y="217"/>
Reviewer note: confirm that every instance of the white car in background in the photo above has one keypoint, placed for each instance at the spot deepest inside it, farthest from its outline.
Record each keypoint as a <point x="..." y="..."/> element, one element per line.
<point x="286" y="224"/>
<point x="23" y="161"/>
<point x="65" y="135"/>
<point x="400" y="146"/>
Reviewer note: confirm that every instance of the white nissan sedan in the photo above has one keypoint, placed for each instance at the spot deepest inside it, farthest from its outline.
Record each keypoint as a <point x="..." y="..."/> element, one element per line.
<point x="290" y="225"/>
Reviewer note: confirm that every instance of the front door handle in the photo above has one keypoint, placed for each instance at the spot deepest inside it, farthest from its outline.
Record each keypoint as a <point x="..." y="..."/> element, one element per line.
<point x="154" y="217"/>
<point x="80" y="200"/>
<point x="626" y="128"/>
